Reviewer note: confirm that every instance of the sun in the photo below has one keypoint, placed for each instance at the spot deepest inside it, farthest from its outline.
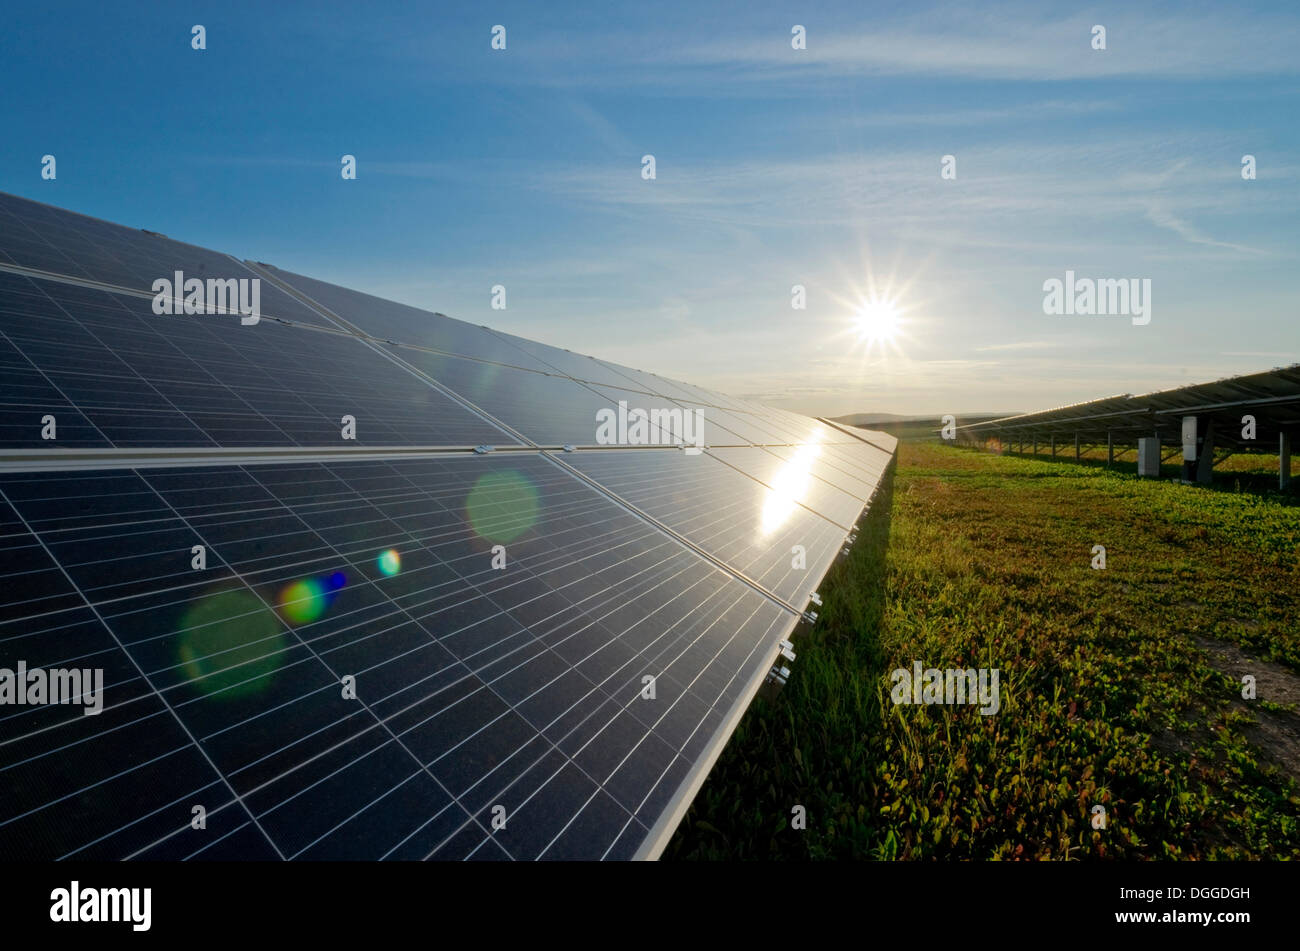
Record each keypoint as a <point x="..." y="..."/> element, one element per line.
<point x="878" y="321"/>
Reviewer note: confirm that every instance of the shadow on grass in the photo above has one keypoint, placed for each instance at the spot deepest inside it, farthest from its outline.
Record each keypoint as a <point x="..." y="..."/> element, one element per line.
<point x="815" y="744"/>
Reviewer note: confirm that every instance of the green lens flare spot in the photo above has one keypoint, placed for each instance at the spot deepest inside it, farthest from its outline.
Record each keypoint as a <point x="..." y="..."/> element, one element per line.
<point x="229" y="644"/>
<point x="303" y="601"/>
<point x="502" y="506"/>
<point x="390" y="562"/>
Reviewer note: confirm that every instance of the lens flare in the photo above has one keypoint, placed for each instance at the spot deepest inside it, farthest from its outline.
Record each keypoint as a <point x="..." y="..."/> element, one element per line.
<point x="304" y="601"/>
<point x="502" y="506"/>
<point x="229" y="644"/>
<point x="390" y="562"/>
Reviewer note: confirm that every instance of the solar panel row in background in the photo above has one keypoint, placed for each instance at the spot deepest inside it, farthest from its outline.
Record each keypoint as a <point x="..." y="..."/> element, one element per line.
<point x="501" y="613"/>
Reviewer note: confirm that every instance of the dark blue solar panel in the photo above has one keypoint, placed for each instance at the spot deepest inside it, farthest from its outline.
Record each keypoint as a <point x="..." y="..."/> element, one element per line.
<point x="45" y="238"/>
<point x="113" y="373"/>
<point x="479" y="687"/>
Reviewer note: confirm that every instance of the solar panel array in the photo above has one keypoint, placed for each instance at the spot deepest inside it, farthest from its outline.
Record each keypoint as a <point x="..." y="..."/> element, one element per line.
<point x="1272" y="398"/>
<point x="471" y="629"/>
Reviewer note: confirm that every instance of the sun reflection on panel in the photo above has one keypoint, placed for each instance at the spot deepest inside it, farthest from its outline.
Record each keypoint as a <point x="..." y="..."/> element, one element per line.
<point x="789" y="487"/>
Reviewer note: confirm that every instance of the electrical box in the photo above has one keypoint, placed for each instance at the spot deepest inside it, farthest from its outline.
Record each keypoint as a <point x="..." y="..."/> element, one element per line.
<point x="1149" y="457"/>
<point x="1189" y="438"/>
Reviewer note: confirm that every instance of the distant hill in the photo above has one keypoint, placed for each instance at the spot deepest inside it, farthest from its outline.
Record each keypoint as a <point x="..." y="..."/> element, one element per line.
<point x="911" y="427"/>
<point x="869" y="419"/>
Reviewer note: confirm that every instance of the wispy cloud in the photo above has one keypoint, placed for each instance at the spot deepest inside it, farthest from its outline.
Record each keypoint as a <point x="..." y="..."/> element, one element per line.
<point x="1157" y="215"/>
<point x="1024" y="345"/>
<point x="1022" y="43"/>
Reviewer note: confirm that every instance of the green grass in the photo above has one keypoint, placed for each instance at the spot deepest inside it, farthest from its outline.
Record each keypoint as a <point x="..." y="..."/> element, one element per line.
<point x="974" y="560"/>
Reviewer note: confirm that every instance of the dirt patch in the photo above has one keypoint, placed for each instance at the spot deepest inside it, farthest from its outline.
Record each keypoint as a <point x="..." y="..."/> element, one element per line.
<point x="1277" y="734"/>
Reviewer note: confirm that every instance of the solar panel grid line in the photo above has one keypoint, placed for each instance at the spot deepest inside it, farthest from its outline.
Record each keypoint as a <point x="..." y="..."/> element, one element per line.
<point x="164" y="255"/>
<point x="58" y="278"/>
<point x="680" y="538"/>
<point x="284" y="283"/>
<point x="707" y="413"/>
<point x="104" y="601"/>
<point x="71" y="406"/>
<point x="717" y="654"/>
<point x="182" y="725"/>
<point x="451" y="394"/>
<point x="85" y="789"/>
<point x="260" y="787"/>
<point x="336" y="677"/>
<point x="201" y="364"/>
<point x="593" y="794"/>
<point x="144" y="380"/>
<point x="551" y="414"/>
<point x="621" y="377"/>
<point x="711" y="525"/>
<point x="647" y="735"/>
<point x="588" y="367"/>
<point x="76" y="460"/>
<point x="854" y="463"/>
<point x="217" y="841"/>
<point x="801" y="502"/>
<point x="177" y="303"/>
<point x="830" y="464"/>
<point x="55" y="530"/>
<point x="654" y="843"/>
<point x="188" y="797"/>
<point x="343" y="822"/>
<point x="825" y="471"/>
<point x="711" y="416"/>
<point x="55" y="750"/>
<point x="62" y="663"/>
<point x="365" y="318"/>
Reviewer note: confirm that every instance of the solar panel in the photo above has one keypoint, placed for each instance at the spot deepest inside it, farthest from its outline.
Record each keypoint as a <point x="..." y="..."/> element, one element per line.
<point x="114" y="374"/>
<point x="796" y="477"/>
<point x="401" y="323"/>
<point x="756" y="530"/>
<point x="477" y="686"/>
<point x="405" y="651"/>
<point x="548" y="410"/>
<point x="577" y="365"/>
<point x="43" y="238"/>
<point x="824" y="466"/>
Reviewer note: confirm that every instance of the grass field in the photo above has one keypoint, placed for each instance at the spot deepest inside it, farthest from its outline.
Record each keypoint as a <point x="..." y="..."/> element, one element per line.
<point x="1119" y="687"/>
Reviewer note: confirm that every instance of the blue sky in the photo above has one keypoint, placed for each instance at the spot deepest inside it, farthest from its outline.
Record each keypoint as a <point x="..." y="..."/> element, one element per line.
<point x="775" y="167"/>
